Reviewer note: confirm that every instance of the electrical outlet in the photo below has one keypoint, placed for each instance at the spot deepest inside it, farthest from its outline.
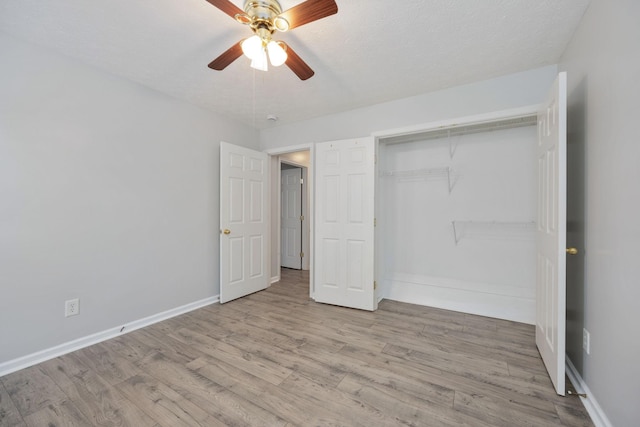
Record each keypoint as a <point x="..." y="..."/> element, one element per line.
<point x="72" y="307"/>
<point x="586" y="340"/>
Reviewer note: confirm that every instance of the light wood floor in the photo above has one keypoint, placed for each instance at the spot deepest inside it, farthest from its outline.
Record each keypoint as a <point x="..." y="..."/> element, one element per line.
<point x="275" y="358"/>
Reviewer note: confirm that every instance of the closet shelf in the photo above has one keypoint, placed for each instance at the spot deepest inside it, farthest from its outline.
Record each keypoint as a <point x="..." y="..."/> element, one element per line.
<point x="421" y="175"/>
<point x="503" y="230"/>
<point x="445" y="133"/>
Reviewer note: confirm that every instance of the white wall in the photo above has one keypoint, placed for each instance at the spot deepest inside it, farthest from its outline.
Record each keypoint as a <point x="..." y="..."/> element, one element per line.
<point x="488" y="268"/>
<point x="502" y="93"/>
<point x="108" y="192"/>
<point x="603" y="67"/>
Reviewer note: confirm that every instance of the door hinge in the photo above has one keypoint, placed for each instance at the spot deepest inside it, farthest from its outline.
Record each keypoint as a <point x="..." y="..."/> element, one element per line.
<point x="301" y="181"/>
<point x="375" y="285"/>
<point x="301" y="254"/>
<point x="301" y="217"/>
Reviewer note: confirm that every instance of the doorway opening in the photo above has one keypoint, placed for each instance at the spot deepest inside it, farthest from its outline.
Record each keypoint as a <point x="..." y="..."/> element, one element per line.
<point x="291" y="214"/>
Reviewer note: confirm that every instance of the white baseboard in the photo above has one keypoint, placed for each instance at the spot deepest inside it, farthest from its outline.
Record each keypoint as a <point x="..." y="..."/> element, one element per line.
<point x="502" y="302"/>
<point x="275" y="279"/>
<point x="59" y="350"/>
<point x="590" y="403"/>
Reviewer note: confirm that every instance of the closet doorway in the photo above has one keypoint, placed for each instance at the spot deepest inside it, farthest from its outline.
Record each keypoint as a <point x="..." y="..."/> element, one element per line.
<point x="456" y="218"/>
<point x="470" y="229"/>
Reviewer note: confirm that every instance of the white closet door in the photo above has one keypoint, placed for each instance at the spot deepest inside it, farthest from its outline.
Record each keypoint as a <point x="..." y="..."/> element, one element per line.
<point x="344" y="229"/>
<point x="244" y="223"/>
<point x="551" y="232"/>
<point x="291" y="218"/>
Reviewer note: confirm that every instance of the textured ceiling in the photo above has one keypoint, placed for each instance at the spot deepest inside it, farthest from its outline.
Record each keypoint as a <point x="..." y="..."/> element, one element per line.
<point x="371" y="51"/>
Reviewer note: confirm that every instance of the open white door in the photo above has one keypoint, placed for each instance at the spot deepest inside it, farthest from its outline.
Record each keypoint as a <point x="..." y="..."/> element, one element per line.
<point x="244" y="224"/>
<point x="551" y="232"/>
<point x="344" y="233"/>
<point x="291" y="218"/>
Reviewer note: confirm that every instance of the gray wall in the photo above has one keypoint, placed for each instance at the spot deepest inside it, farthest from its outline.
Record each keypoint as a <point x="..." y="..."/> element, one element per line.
<point x="603" y="65"/>
<point x="108" y="192"/>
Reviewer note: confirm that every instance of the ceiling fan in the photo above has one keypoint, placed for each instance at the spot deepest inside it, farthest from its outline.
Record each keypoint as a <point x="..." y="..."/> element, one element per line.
<point x="265" y="17"/>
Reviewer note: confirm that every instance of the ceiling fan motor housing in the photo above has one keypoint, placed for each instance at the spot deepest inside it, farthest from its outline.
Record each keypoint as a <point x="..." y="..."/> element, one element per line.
<point x="263" y="14"/>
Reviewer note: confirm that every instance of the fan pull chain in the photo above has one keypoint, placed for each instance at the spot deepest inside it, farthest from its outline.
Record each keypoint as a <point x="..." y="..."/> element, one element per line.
<point x="254" y="98"/>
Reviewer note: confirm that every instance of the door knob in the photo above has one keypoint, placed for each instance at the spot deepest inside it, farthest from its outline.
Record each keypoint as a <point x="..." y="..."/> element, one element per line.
<point x="572" y="251"/>
<point x="227" y="231"/>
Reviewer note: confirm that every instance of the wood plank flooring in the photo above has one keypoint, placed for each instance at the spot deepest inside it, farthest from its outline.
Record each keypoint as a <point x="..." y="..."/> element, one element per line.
<point x="275" y="358"/>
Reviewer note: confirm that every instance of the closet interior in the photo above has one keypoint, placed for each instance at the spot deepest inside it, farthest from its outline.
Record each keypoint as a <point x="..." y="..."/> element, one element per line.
<point x="456" y="211"/>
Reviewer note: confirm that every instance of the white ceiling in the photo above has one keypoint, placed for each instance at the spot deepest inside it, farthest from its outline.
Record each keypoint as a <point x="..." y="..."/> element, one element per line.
<point x="371" y="51"/>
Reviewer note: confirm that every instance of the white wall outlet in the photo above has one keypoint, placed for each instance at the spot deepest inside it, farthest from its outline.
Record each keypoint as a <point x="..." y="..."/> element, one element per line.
<point x="72" y="307"/>
<point x="586" y="340"/>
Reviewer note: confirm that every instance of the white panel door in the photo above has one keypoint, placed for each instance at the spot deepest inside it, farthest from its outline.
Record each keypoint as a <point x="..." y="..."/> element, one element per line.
<point x="344" y="229"/>
<point x="551" y="232"/>
<point x="290" y="218"/>
<point x="244" y="224"/>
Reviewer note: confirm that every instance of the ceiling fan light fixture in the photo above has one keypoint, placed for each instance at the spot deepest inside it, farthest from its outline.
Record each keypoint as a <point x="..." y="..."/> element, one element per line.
<point x="252" y="47"/>
<point x="259" y="62"/>
<point x="264" y="18"/>
<point x="277" y="54"/>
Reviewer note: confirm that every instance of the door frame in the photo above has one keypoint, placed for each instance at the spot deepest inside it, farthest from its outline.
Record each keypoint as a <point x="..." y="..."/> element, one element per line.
<point x="384" y="287"/>
<point x="275" y="185"/>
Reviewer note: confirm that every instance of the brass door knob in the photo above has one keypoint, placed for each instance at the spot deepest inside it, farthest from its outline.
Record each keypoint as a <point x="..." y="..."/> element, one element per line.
<point x="572" y="251"/>
<point x="227" y="231"/>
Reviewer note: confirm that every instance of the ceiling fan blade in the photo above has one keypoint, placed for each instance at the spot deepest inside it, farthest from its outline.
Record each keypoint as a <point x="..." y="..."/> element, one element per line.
<point x="227" y="7"/>
<point x="222" y="61"/>
<point x="309" y="11"/>
<point x="297" y="65"/>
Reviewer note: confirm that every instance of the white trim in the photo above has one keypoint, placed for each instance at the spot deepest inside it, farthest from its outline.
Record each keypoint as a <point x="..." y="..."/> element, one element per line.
<point x="59" y="350"/>
<point x="474" y="298"/>
<point x="289" y="149"/>
<point x="590" y="403"/>
<point x="306" y="229"/>
<point x="275" y="278"/>
<point x="311" y="189"/>
<point x="508" y="290"/>
<point x="530" y="110"/>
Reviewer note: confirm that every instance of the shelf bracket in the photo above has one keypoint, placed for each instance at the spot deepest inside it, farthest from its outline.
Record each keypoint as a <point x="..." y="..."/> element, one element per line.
<point x="453" y="145"/>
<point x="455" y="232"/>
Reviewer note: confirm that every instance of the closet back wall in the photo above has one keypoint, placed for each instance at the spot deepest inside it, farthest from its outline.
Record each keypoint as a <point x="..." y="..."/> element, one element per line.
<point x="485" y="183"/>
